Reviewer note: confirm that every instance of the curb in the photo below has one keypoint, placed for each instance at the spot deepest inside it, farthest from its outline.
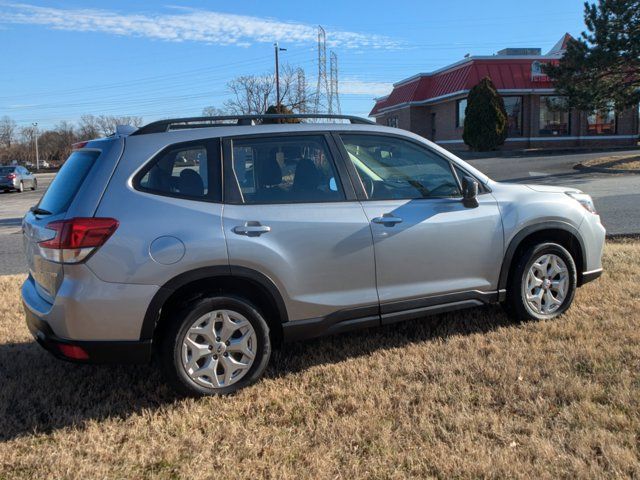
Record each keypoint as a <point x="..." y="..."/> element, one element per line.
<point x="587" y="168"/>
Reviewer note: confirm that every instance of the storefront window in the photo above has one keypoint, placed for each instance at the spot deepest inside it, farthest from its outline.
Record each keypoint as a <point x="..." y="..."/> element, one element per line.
<point x="554" y="116"/>
<point x="392" y="122"/>
<point x="513" y="106"/>
<point x="461" y="107"/>
<point x="602" y="122"/>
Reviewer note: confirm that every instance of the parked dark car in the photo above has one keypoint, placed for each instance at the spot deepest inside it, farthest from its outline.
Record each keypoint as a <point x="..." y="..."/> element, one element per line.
<point x="17" y="178"/>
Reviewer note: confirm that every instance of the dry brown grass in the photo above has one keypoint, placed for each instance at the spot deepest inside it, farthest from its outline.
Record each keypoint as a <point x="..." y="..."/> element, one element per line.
<point x="459" y="395"/>
<point x="616" y="162"/>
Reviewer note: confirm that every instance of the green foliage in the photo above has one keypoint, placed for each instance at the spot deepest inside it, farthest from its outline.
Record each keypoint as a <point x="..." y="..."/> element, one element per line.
<point x="603" y="66"/>
<point x="485" y="123"/>
<point x="284" y="110"/>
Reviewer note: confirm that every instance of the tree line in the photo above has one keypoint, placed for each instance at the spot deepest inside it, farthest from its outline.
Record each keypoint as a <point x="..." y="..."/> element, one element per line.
<point x="54" y="144"/>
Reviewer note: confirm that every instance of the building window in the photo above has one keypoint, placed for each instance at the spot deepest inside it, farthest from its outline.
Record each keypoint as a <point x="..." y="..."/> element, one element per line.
<point x="392" y="122"/>
<point x="513" y="106"/>
<point x="602" y="122"/>
<point x="554" y="117"/>
<point x="461" y="108"/>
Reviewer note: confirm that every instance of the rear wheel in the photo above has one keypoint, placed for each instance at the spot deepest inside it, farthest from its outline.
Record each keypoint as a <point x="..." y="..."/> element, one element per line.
<point x="215" y="346"/>
<point x="542" y="284"/>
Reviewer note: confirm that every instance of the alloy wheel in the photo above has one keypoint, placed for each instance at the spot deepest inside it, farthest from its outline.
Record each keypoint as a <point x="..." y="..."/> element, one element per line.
<point x="219" y="348"/>
<point x="546" y="284"/>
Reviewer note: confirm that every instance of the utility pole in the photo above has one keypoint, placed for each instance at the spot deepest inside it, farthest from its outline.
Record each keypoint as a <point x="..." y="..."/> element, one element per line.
<point x="35" y="133"/>
<point x="278" y="50"/>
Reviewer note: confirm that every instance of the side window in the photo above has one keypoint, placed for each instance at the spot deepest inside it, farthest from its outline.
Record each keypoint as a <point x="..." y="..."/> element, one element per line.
<point x="393" y="168"/>
<point x="292" y="169"/>
<point x="181" y="171"/>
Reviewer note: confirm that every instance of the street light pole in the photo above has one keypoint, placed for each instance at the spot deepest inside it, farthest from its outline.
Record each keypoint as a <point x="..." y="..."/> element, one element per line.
<point x="278" y="50"/>
<point x="35" y="132"/>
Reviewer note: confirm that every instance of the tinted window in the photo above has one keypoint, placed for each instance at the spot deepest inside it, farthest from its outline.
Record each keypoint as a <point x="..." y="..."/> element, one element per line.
<point x="285" y="170"/>
<point x="394" y="168"/>
<point x="66" y="183"/>
<point x="513" y="107"/>
<point x="554" y="116"/>
<point x="181" y="171"/>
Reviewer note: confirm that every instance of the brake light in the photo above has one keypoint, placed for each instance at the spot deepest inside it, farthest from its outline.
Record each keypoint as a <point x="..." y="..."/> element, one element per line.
<point x="79" y="145"/>
<point x="11" y="176"/>
<point x="76" y="238"/>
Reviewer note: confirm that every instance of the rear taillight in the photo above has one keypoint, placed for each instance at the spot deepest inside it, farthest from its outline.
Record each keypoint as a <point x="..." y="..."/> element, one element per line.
<point x="76" y="238"/>
<point x="11" y="176"/>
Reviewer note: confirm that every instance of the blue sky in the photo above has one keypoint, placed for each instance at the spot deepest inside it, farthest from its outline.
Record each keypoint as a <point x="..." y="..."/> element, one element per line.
<point x="60" y="60"/>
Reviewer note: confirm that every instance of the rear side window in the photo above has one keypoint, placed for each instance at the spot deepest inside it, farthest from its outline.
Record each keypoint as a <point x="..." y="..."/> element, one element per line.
<point x="185" y="170"/>
<point x="67" y="182"/>
<point x="292" y="169"/>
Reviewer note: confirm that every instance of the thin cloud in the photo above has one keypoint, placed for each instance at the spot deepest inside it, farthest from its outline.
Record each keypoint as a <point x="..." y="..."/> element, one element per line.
<point x="359" y="87"/>
<point x="191" y="25"/>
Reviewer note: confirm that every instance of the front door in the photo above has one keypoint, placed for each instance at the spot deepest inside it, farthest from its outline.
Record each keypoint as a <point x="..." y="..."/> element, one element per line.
<point x="289" y="216"/>
<point x="427" y="243"/>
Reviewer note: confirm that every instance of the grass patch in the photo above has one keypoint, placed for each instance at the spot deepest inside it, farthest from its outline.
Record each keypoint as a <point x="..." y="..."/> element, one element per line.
<point x="466" y="394"/>
<point x="615" y="162"/>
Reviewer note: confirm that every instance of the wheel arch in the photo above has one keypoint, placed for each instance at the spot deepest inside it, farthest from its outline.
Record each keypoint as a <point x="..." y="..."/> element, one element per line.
<point x="250" y="284"/>
<point x="562" y="233"/>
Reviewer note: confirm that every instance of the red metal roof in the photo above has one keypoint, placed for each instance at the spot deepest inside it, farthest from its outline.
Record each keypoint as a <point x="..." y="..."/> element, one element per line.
<point x="507" y="73"/>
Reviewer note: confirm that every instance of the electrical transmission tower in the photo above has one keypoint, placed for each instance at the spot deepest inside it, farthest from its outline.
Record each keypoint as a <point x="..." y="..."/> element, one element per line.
<point x="323" y="93"/>
<point x="334" y="96"/>
<point x="301" y="92"/>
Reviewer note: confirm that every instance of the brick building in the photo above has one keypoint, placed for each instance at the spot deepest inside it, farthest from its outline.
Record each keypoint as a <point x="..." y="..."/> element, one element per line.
<point x="433" y="104"/>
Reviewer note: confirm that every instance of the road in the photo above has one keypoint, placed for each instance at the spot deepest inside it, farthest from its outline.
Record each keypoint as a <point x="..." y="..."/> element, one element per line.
<point x="617" y="197"/>
<point x="13" y="206"/>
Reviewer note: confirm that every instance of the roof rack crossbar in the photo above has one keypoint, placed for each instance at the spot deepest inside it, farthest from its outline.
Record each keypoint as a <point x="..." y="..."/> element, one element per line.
<point x="215" y="121"/>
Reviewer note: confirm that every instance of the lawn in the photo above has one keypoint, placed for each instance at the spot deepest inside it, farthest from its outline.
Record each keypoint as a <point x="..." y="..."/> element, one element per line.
<point x="468" y="394"/>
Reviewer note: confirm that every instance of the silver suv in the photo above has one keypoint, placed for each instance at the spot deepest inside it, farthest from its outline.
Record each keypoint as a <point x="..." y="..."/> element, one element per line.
<point x="208" y="242"/>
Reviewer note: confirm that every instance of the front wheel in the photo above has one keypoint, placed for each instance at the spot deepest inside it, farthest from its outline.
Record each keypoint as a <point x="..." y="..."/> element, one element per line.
<point x="34" y="184"/>
<point x="215" y="347"/>
<point x="543" y="283"/>
<point x="21" y="187"/>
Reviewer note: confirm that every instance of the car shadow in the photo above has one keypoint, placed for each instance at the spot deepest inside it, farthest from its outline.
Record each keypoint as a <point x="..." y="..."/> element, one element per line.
<point x="40" y="394"/>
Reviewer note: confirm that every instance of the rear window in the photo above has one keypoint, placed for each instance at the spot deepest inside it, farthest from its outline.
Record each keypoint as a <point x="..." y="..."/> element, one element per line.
<point x="6" y="170"/>
<point x="67" y="182"/>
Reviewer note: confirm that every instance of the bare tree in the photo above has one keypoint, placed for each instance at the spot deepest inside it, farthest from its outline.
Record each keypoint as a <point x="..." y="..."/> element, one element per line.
<point x="8" y="129"/>
<point x="212" y="111"/>
<point x="107" y="123"/>
<point x="88" y="127"/>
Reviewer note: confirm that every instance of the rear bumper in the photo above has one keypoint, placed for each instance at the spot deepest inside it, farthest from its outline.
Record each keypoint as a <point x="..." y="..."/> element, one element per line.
<point x="122" y="352"/>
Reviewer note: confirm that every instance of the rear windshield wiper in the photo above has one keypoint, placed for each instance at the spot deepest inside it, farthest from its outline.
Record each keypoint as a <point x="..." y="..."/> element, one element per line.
<point x="39" y="211"/>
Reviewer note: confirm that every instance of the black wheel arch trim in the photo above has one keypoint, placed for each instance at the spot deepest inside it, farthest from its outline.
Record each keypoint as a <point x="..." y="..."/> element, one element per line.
<point x="525" y="232"/>
<point x="152" y="314"/>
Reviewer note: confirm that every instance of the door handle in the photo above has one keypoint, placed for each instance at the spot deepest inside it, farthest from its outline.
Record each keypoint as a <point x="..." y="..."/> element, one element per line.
<point x="251" y="229"/>
<point x="387" y="219"/>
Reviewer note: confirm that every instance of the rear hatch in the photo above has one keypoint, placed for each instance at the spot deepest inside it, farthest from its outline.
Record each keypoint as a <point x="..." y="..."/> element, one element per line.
<point x="53" y="206"/>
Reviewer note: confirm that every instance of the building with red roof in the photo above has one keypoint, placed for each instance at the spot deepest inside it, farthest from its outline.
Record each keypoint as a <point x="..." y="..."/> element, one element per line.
<point x="433" y="104"/>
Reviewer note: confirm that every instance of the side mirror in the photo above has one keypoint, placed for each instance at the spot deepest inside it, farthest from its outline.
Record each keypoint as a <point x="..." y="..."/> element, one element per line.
<point x="469" y="192"/>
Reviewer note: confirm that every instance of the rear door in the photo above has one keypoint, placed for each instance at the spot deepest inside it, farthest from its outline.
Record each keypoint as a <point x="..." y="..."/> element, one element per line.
<point x="291" y="214"/>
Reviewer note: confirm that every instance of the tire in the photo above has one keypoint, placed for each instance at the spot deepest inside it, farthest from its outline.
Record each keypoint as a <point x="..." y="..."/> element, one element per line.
<point x="554" y="295"/>
<point x="175" y="355"/>
<point x="34" y="184"/>
<point x="21" y="187"/>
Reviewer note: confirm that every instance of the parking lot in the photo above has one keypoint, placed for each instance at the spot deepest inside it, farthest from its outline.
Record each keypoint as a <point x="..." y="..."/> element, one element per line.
<point x="13" y="206"/>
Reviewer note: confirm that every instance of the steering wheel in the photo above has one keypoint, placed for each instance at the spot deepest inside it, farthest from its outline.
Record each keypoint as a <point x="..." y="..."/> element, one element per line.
<point x="368" y="185"/>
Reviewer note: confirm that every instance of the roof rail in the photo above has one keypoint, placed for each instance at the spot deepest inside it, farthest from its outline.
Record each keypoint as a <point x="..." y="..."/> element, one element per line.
<point x="225" y="120"/>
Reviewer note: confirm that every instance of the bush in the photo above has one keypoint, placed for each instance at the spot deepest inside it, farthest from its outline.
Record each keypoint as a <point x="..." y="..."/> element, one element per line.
<point x="485" y="123"/>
